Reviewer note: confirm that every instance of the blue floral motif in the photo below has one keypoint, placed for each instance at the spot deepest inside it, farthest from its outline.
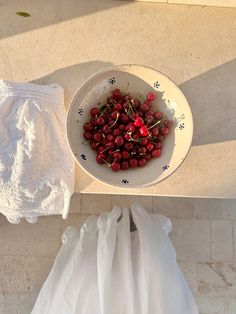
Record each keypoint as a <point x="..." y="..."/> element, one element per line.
<point x="83" y="156"/>
<point x="112" y="80"/>
<point x="80" y="111"/>
<point x="125" y="181"/>
<point x="156" y="84"/>
<point x="181" y="126"/>
<point x="165" y="167"/>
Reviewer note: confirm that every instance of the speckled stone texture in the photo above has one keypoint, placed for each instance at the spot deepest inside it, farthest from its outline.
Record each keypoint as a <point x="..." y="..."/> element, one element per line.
<point x="205" y="246"/>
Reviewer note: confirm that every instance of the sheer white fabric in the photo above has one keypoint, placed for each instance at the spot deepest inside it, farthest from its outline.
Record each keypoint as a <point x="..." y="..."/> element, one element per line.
<point x="36" y="167"/>
<point x="106" y="269"/>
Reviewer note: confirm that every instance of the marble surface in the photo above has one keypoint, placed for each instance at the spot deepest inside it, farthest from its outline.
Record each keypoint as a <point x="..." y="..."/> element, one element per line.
<point x="67" y="41"/>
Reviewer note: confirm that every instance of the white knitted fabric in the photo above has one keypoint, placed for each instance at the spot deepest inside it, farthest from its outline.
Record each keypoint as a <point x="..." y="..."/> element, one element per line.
<point x="36" y="167"/>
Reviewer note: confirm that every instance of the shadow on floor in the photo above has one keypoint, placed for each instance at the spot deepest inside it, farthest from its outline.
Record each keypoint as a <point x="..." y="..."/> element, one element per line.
<point x="212" y="97"/>
<point x="72" y="77"/>
<point x="45" y="13"/>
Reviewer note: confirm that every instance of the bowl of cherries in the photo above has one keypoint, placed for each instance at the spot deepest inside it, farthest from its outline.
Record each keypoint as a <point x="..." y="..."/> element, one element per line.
<point x="129" y="126"/>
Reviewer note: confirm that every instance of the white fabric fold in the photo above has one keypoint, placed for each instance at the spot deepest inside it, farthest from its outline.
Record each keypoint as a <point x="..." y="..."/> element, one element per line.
<point x="106" y="269"/>
<point x="36" y="167"/>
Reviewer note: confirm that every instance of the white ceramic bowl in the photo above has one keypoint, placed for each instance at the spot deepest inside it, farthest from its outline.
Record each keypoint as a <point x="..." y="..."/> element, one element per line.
<point x="137" y="80"/>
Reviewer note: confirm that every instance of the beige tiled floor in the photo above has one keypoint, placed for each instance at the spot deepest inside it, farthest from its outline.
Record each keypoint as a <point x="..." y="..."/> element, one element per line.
<point x="204" y="234"/>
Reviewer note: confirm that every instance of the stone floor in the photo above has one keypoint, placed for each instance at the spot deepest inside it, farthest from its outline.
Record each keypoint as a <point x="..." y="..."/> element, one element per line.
<point x="196" y="47"/>
<point x="204" y="235"/>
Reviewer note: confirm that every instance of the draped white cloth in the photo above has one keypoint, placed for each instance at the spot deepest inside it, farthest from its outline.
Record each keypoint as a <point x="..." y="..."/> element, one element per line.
<point x="36" y="167"/>
<point x="106" y="269"/>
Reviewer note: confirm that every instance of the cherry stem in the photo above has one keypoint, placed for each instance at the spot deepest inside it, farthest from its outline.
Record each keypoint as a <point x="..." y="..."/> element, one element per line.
<point x="109" y="165"/>
<point x="156" y="123"/>
<point x="127" y="112"/>
<point x="117" y="117"/>
<point x="105" y="149"/>
<point x="132" y="105"/>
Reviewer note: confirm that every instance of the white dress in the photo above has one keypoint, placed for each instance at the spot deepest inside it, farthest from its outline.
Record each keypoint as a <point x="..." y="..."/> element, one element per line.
<point x="36" y="167"/>
<point x="106" y="269"/>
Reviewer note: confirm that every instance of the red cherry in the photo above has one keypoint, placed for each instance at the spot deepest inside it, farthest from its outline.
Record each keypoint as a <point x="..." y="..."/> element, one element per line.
<point x="114" y="115"/>
<point x="133" y="163"/>
<point x="97" y="137"/>
<point x="160" y="137"/>
<point x="116" y="132"/>
<point x="155" y="131"/>
<point x="130" y="127"/>
<point x="115" y="166"/>
<point x="88" y="135"/>
<point x="144" y="107"/>
<point x="110" y="144"/>
<point x="117" y="94"/>
<point x="143" y="131"/>
<point x="129" y="146"/>
<point x="157" y="115"/>
<point x="136" y="103"/>
<point x="144" y="142"/>
<point x="104" y="141"/>
<point x="149" y="113"/>
<point x="124" y="165"/>
<point x="121" y="127"/>
<point x="167" y="123"/>
<point x="156" y="153"/>
<point x="119" y="140"/>
<point x="94" y="111"/>
<point x="106" y="129"/>
<point x="110" y="138"/>
<point x="125" y="154"/>
<point x="135" y="136"/>
<point x="149" y="119"/>
<point x="111" y="122"/>
<point x="117" y="155"/>
<point x="138" y="122"/>
<point x="125" y="105"/>
<point x="88" y="126"/>
<point x="93" y="121"/>
<point x="165" y="131"/>
<point x="151" y="96"/>
<point x="142" y="162"/>
<point x="100" y="148"/>
<point x="118" y="107"/>
<point x="158" y="145"/>
<point x="100" y="121"/>
<point x="100" y="158"/>
<point x="149" y="147"/>
<point x="124" y="118"/>
<point x="93" y="145"/>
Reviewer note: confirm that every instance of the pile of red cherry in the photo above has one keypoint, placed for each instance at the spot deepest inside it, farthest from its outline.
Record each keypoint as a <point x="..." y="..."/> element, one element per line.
<point x="125" y="132"/>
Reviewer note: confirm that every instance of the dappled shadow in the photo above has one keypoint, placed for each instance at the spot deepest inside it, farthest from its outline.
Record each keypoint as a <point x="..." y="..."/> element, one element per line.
<point x="212" y="98"/>
<point x="44" y="13"/>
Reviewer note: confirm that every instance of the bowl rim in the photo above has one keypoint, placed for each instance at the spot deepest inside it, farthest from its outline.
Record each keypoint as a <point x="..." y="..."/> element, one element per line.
<point x="100" y="72"/>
